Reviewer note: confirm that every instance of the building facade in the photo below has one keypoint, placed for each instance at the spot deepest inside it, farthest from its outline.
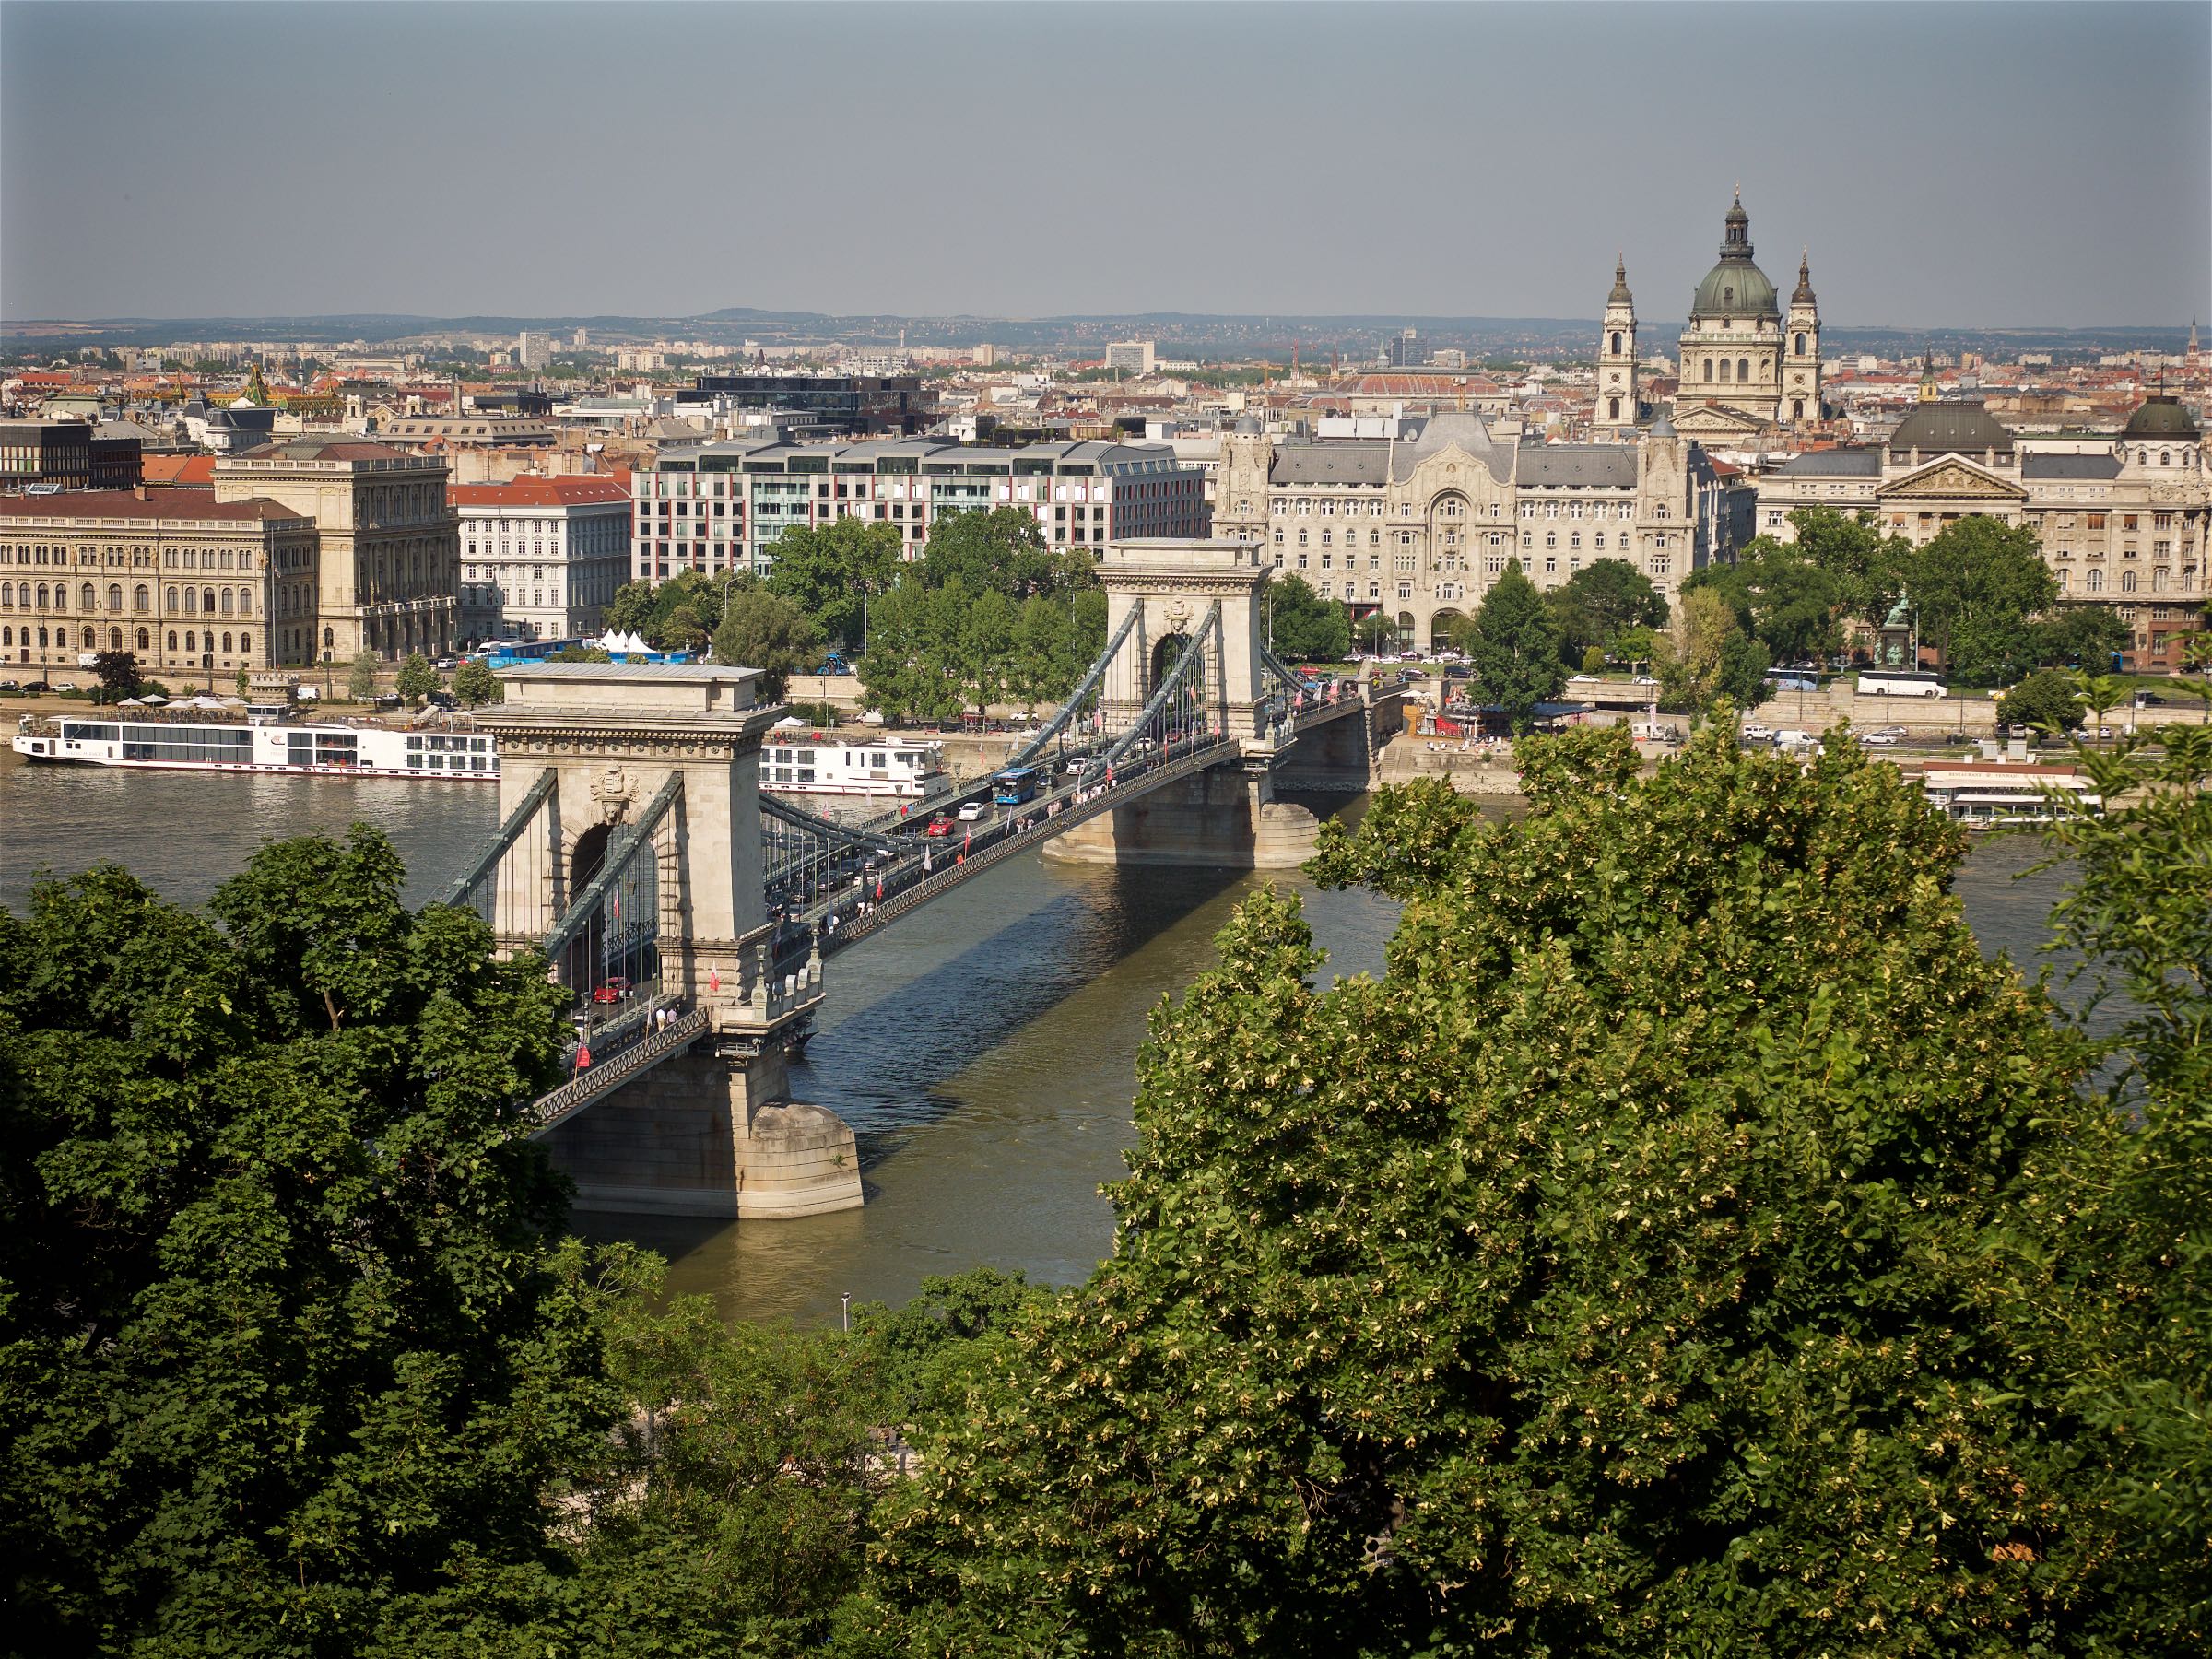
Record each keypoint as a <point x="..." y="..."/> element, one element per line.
<point x="1419" y="528"/>
<point x="191" y="585"/>
<point x="721" y="506"/>
<point x="540" y="557"/>
<point x="66" y="454"/>
<point x="852" y="406"/>
<point x="389" y="564"/>
<point x="2122" y="519"/>
<point x="1744" y="367"/>
<point x="1617" y="407"/>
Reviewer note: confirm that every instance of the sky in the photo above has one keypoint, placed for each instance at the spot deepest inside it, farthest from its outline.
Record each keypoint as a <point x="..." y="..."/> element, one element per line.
<point x="1948" y="165"/>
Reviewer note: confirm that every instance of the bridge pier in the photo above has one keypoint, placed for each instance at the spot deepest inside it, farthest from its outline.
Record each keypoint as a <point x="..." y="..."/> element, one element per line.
<point x="1228" y="819"/>
<point x="712" y="1132"/>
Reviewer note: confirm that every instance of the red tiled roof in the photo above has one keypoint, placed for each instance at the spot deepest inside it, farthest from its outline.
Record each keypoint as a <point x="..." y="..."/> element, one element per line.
<point x="187" y="470"/>
<point x="196" y="505"/>
<point x="573" y="491"/>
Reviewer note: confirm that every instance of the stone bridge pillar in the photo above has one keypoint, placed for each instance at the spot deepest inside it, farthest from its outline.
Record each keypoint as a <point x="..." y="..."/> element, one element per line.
<point x="1172" y="581"/>
<point x="714" y="1131"/>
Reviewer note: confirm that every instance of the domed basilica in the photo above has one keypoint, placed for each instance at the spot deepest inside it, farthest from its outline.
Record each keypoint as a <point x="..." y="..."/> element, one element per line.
<point x="1746" y="365"/>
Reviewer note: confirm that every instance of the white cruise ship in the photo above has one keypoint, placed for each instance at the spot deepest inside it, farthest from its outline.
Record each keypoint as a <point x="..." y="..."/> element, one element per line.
<point x="905" y="771"/>
<point x="233" y="746"/>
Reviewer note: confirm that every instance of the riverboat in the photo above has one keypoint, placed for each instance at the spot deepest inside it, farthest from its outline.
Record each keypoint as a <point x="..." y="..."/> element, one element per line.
<point x="1997" y="795"/>
<point x="324" y="750"/>
<point x="899" y="769"/>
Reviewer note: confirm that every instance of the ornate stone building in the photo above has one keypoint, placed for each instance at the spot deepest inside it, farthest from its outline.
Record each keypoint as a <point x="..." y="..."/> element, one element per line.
<point x="1743" y="366"/>
<point x="1617" y="405"/>
<point x="390" y="565"/>
<point x="192" y="586"/>
<point x="1418" y="527"/>
<point x="2123" y="518"/>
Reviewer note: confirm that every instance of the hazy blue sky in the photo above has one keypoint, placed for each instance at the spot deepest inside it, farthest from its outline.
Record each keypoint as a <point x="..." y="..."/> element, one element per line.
<point x="1948" y="164"/>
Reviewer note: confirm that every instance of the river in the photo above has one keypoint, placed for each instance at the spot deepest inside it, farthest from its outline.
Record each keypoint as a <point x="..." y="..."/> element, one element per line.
<point x="984" y="1053"/>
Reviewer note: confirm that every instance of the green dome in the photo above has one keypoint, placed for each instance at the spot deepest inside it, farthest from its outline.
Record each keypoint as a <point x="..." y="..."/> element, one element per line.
<point x="2161" y="416"/>
<point x="1735" y="287"/>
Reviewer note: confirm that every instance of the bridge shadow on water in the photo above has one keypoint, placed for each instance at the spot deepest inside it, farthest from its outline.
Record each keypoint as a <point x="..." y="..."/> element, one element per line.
<point x="946" y="988"/>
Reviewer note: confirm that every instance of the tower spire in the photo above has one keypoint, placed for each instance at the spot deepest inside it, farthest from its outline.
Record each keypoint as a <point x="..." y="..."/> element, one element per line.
<point x="1620" y="296"/>
<point x="1927" y="377"/>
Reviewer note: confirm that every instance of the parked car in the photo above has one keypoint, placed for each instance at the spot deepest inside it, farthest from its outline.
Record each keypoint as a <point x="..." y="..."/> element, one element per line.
<point x="446" y="665"/>
<point x="1755" y="733"/>
<point x="970" y="811"/>
<point x="1644" y="679"/>
<point x="1896" y="732"/>
<point x="1878" y="739"/>
<point x="442" y="700"/>
<point x="62" y="686"/>
<point x="1790" y="737"/>
<point x="939" y="827"/>
<point x="614" y="990"/>
<point x="36" y="689"/>
<point x="9" y="686"/>
<point x="2149" y="699"/>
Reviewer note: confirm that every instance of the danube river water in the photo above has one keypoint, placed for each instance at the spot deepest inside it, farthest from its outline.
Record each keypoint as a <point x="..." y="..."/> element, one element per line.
<point x="985" y="1052"/>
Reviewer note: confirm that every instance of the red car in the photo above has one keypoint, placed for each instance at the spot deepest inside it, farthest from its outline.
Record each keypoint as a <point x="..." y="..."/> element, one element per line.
<point x="614" y="990"/>
<point x="939" y="826"/>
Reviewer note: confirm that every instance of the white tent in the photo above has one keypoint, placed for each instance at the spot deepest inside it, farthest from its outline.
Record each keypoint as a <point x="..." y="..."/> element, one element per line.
<point x="788" y="722"/>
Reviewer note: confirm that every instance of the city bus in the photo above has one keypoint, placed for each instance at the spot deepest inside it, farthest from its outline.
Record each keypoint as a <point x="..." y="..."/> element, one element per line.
<point x="1902" y="682"/>
<point x="1014" y="786"/>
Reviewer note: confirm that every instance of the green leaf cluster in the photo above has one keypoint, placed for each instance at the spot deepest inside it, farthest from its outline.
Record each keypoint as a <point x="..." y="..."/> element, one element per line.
<point x="1513" y="642"/>
<point x="1302" y="627"/>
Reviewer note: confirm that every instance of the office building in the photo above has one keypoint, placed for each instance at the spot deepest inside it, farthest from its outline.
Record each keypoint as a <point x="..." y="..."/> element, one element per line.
<point x="533" y="351"/>
<point x="66" y="454"/>
<point x="1131" y="356"/>
<point x="851" y="406"/>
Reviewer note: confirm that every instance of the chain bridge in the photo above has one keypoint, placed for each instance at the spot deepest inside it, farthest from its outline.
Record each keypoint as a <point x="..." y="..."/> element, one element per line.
<point x="691" y="915"/>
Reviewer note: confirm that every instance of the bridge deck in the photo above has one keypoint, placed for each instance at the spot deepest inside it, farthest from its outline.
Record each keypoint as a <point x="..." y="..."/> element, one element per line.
<point x="612" y="1072"/>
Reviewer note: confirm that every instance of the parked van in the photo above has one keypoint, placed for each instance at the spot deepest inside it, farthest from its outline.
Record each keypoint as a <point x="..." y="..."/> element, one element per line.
<point x="1654" y="731"/>
<point x="1790" y="737"/>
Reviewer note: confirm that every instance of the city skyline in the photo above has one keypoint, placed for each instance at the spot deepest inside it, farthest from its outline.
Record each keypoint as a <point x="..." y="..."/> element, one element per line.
<point x="1919" y="153"/>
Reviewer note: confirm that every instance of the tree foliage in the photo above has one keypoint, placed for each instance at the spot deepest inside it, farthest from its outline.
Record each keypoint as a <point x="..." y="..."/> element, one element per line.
<point x="1980" y="589"/>
<point x="360" y="678"/>
<point x="118" y="673"/>
<point x="475" y="685"/>
<point x="680" y="614"/>
<point x="1513" y="645"/>
<point x="763" y="629"/>
<point x="2047" y="700"/>
<point x="828" y="571"/>
<point x="418" y="679"/>
<point x="1623" y="1276"/>
<point x="1302" y="627"/>
<point x="289" y="1349"/>
<point x="1711" y="658"/>
<point x="1603" y="602"/>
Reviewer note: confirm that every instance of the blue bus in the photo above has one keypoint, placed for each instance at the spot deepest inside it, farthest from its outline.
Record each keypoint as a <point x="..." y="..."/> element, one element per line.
<point x="1014" y="785"/>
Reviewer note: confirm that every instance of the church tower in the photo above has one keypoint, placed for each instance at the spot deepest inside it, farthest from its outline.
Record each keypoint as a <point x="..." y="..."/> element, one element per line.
<point x="1801" y="351"/>
<point x="1616" y="357"/>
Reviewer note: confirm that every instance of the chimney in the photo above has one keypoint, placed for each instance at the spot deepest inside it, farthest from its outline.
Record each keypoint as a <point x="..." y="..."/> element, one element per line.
<point x="138" y="489"/>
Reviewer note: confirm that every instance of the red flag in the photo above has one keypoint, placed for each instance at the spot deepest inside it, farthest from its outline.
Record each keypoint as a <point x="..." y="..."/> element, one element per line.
<point x="715" y="979"/>
<point x="584" y="1056"/>
<point x="879" y="892"/>
<point x="959" y="858"/>
<point x="968" y="841"/>
<point x="617" y="905"/>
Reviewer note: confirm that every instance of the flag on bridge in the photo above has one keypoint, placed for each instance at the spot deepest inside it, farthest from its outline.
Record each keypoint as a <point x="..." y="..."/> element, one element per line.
<point x="714" y="979"/>
<point x="879" y="892"/>
<point x="584" y="1056"/>
<point x="926" y="864"/>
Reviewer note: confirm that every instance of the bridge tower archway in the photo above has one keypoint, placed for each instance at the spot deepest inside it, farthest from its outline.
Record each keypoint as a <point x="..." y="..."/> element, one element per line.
<point x="1171" y="582"/>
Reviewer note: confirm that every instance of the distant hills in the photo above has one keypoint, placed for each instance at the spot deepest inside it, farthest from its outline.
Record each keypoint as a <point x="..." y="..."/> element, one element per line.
<point x="1352" y="337"/>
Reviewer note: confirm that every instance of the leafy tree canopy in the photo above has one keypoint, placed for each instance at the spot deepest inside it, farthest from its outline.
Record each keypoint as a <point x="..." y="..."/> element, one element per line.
<point x="1512" y="644"/>
<point x="418" y="679"/>
<point x="1302" y="626"/>
<point x="1636" y="1271"/>
<point x="360" y="678"/>
<point x="289" y="1349"/>
<point x="1978" y="588"/>
<point x="826" y="570"/>
<point x="1002" y="550"/>
<point x="765" y="630"/>
<point x="475" y="685"/>
<point x="1603" y="601"/>
<point x="1711" y="658"/>
<point x="2047" y="700"/>
<point x="118" y="671"/>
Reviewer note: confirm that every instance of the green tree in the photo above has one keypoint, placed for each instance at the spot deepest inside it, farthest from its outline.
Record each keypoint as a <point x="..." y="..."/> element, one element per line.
<point x="1865" y="567"/>
<point x="985" y="652"/>
<point x="475" y="685"/>
<point x="1302" y="627"/>
<point x="1513" y="645"/>
<point x="360" y="678"/>
<point x="581" y="653"/>
<point x="418" y="679"/>
<point x="764" y="630"/>
<point x="1002" y="550"/>
<point x="1606" y="598"/>
<point x="1710" y="657"/>
<point x="2138" y="1305"/>
<point x="1619" y="1276"/>
<point x="1978" y="588"/>
<point x="2046" y="700"/>
<point x="118" y="671"/>
<point x="827" y="570"/>
<point x="289" y="1348"/>
<point x="1376" y="632"/>
<point x="1041" y="644"/>
<point x="2084" y="636"/>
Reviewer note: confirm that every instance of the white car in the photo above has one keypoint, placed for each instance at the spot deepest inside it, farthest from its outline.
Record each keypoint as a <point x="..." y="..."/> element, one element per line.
<point x="1645" y="679"/>
<point x="970" y="811"/>
<point x="1755" y="733"/>
<point x="1879" y="739"/>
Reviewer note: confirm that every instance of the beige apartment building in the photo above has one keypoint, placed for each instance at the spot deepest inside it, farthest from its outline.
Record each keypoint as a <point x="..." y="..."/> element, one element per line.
<point x="191" y="585"/>
<point x="1418" y="527"/>
<point x="389" y="572"/>
<point x="2123" y="518"/>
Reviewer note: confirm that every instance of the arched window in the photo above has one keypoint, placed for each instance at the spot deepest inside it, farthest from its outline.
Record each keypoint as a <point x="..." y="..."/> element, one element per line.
<point x="85" y="599"/>
<point x="191" y="639"/>
<point x="1800" y="344"/>
<point x="245" y="602"/>
<point x="114" y="595"/>
<point x="173" y="639"/>
<point x="2127" y="582"/>
<point x="8" y="596"/>
<point x="2165" y="458"/>
<point x="1743" y="371"/>
<point x="91" y="640"/>
<point x="1723" y="372"/>
<point x="143" y="598"/>
<point x="2158" y="579"/>
<point x="329" y="638"/>
<point x="2142" y="457"/>
<point x="226" y="602"/>
<point x="2094" y="582"/>
<point x="42" y="596"/>
<point x="226" y="644"/>
<point x="7" y="635"/>
<point x="207" y="600"/>
<point x="1617" y="342"/>
<point x="1613" y="408"/>
<point x="146" y="639"/>
<point x="245" y="642"/>
<point x="1709" y="369"/>
<point x="1797" y="408"/>
<point x="114" y="639"/>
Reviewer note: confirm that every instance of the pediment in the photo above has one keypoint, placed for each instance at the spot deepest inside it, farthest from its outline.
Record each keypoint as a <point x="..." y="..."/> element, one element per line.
<point x="1951" y="478"/>
<point x="1713" y="419"/>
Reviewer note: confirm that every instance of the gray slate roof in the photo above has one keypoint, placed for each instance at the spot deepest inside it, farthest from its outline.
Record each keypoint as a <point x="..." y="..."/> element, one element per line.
<point x="1834" y="464"/>
<point x="2069" y="466"/>
<point x="1350" y="462"/>
<point x="1598" y="465"/>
